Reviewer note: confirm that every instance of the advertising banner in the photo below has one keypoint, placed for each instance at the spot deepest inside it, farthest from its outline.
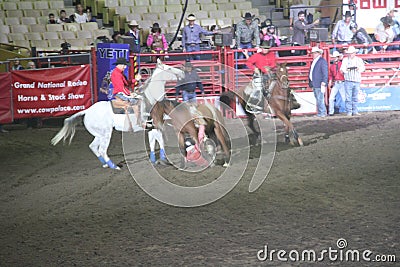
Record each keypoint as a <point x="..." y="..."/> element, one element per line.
<point x="51" y="92"/>
<point x="107" y="54"/>
<point x="379" y="99"/>
<point x="5" y="98"/>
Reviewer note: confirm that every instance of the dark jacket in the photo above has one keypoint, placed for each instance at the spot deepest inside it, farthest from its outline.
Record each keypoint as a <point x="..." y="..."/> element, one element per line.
<point x="319" y="74"/>
<point x="136" y="42"/>
<point x="189" y="83"/>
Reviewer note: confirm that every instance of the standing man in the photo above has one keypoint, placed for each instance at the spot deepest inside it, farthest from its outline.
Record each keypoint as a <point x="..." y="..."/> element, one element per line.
<point x="336" y="81"/>
<point x="121" y="89"/>
<point x="300" y="27"/>
<point x="318" y="79"/>
<point x="342" y="34"/>
<point x="352" y="66"/>
<point x="189" y="84"/>
<point x="135" y="33"/>
<point x="191" y="36"/>
<point x="246" y="32"/>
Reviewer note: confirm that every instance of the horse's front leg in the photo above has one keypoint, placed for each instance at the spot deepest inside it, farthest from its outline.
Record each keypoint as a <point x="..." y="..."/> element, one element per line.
<point x="182" y="148"/>
<point x="221" y="138"/>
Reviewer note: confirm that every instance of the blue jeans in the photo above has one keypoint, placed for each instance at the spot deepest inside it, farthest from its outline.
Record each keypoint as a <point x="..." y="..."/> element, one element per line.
<point x="319" y="96"/>
<point x="189" y="97"/>
<point x="130" y="99"/>
<point x="244" y="46"/>
<point x="338" y="87"/>
<point x="193" y="48"/>
<point x="352" y="89"/>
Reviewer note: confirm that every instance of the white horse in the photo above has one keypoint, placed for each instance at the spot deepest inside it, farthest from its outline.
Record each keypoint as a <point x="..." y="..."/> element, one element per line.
<point x="99" y="119"/>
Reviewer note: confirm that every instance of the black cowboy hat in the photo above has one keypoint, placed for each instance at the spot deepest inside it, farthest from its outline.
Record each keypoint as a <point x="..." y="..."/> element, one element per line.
<point x="387" y="20"/>
<point x="248" y="15"/>
<point x="347" y="14"/>
<point x="263" y="25"/>
<point x="121" y="61"/>
<point x="155" y="26"/>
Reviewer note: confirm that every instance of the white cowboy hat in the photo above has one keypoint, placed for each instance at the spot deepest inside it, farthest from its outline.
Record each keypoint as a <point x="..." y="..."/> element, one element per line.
<point x="336" y="54"/>
<point x="191" y="17"/>
<point x="316" y="49"/>
<point x="133" y="23"/>
<point x="351" y="50"/>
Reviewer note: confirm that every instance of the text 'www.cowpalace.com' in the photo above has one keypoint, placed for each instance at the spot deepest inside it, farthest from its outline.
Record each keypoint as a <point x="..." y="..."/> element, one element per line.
<point x="340" y="253"/>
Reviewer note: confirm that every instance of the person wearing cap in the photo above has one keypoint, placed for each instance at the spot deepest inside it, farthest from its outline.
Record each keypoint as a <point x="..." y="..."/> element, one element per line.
<point x="135" y="33"/>
<point x="247" y="33"/>
<point x="396" y="24"/>
<point x="342" y="34"/>
<point x="352" y="67"/>
<point x="262" y="62"/>
<point x="300" y="27"/>
<point x="336" y="82"/>
<point x="156" y="42"/>
<point x="188" y="84"/>
<point x="191" y="36"/>
<point x="361" y="37"/>
<point x="121" y="88"/>
<point x="318" y="79"/>
<point x="268" y="37"/>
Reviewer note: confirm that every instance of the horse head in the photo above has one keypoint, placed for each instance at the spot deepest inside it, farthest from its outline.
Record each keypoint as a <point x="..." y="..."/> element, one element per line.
<point x="155" y="85"/>
<point x="282" y="75"/>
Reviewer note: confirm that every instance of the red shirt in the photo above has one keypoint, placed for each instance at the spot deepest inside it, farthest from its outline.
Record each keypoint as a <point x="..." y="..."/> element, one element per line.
<point x="334" y="72"/>
<point x="119" y="82"/>
<point x="260" y="61"/>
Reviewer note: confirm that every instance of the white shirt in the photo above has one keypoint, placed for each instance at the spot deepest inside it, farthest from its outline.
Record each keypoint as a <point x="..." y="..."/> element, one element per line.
<point x="81" y="18"/>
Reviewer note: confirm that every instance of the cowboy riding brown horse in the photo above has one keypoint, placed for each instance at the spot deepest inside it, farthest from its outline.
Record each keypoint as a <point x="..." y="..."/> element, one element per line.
<point x="280" y="100"/>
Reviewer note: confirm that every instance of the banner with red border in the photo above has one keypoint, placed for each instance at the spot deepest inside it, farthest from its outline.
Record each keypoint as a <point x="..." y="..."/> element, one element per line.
<point x="51" y="92"/>
<point x="5" y="98"/>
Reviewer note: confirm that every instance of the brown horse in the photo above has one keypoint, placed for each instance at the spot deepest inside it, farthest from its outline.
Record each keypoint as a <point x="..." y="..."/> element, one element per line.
<point x="281" y="102"/>
<point x="184" y="123"/>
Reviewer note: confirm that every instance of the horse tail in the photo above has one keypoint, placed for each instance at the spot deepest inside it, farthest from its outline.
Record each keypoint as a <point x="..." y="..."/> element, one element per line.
<point x="68" y="130"/>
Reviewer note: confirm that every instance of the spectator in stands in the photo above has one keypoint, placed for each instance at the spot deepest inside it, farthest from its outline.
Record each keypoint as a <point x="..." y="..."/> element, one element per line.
<point x="295" y="8"/>
<point x="31" y="65"/>
<point x="325" y="13"/>
<point x="17" y="65"/>
<point x="384" y="33"/>
<point x="352" y="66"/>
<point x="135" y="33"/>
<point x="63" y="17"/>
<point x="52" y="19"/>
<point x="191" y="36"/>
<point x="396" y="24"/>
<point x="268" y="37"/>
<point x="342" y="34"/>
<point x="156" y="42"/>
<point x="90" y="18"/>
<point x="336" y="82"/>
<point x="188" y="84"/>
<point x="318" y="79"/>
<point x="361" y="37"/>
<point x="247" y="33"/>
<point x="115" y="37"/>
<point x="80" y="16"/>
<point x="121" y="88"/>
<point x="300" y="28"/>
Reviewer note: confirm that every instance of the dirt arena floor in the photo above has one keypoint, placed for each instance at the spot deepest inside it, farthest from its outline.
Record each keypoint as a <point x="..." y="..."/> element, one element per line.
<point x="60" y="208"/>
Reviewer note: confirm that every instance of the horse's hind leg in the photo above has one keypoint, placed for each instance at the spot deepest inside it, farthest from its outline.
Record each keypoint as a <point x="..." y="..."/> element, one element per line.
<point x="94" y="146"/>
<point x="103" y="147"/>
<point x="221" y="138"/>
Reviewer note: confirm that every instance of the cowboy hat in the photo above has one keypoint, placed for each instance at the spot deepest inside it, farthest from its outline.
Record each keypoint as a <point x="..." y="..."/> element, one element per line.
<point x="248" y="15"/>
<point x="155" y="26"/>
<point x="351" y="50"/>
<point x="347" y="14"/>
<point x="265" y="46"/>
<point x="263" y="25"/>
<point x="133" y="23"/>
<point x="121" y="61"/>
<point x="336" y="54"/>
<point x="316" y="49"/>
<point x="387" y="20"/>
<point x="191" y="17"/>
